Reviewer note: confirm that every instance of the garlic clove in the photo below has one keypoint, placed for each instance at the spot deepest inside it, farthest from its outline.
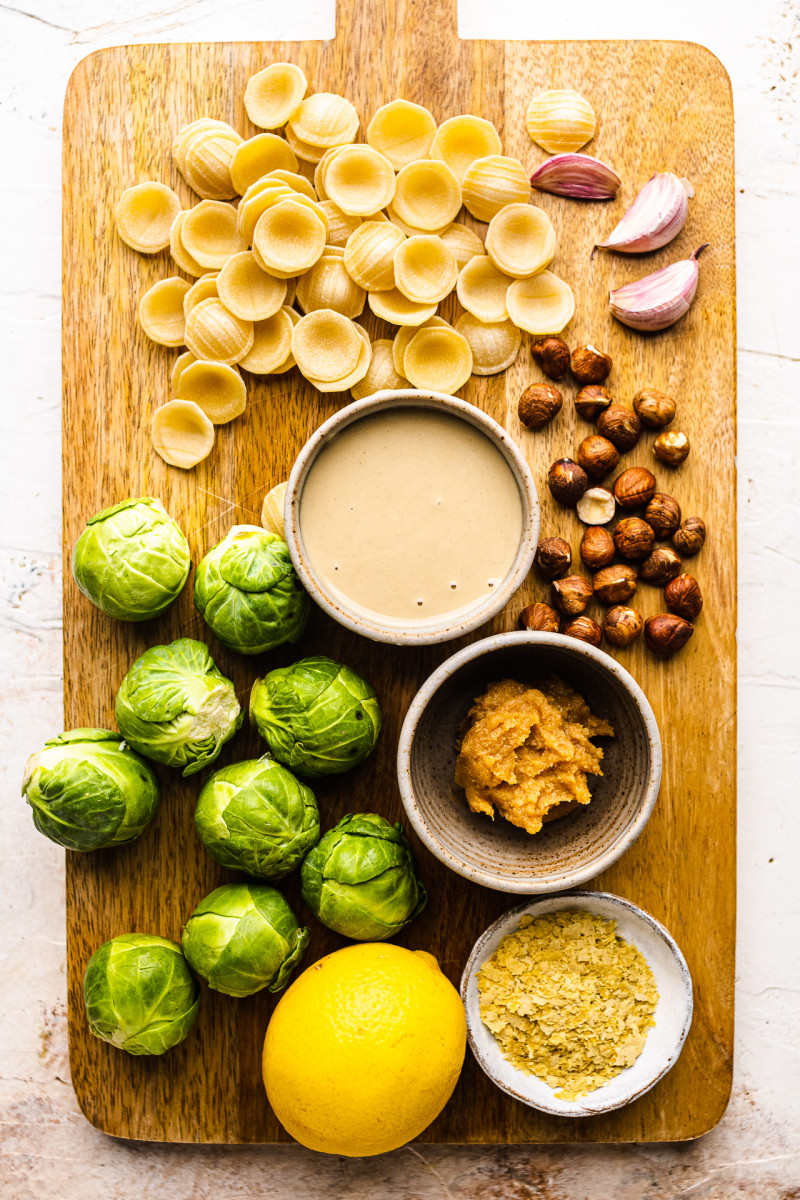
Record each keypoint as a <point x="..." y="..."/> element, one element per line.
<point x="577" y="175"/>
<point x="658" y="300"/>
<point x="656" y="216"/>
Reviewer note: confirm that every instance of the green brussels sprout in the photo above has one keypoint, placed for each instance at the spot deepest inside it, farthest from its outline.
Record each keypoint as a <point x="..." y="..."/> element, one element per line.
<point x="361" y="879"/>
<point x="140" y="994"/>
<point x="247" y="591"/>
<point x="132" y="560"/>
<point x="89" y="791"/>
<point x="255" y="816"/>
<point x="317" y="717"/>
<point x="244" y="937"/>
<point x="176" y="707"/>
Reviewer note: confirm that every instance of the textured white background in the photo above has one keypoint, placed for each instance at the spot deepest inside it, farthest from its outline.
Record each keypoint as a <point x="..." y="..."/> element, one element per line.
<point x="48" y="1150"/>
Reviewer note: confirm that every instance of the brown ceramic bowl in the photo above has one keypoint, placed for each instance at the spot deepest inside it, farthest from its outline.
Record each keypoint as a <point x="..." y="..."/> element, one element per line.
<point x="568" y="851"/>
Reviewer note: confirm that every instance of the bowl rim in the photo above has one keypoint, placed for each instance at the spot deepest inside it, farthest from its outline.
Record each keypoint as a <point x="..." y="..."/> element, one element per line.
<point x="480" y="649"/>
<point x="529" y="908"/>
<point x="445" y="629"/>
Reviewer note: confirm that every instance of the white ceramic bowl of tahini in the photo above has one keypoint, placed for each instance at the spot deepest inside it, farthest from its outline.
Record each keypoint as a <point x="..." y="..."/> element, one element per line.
<point x="439" y="627"/>
<point x="673" y="1015"/>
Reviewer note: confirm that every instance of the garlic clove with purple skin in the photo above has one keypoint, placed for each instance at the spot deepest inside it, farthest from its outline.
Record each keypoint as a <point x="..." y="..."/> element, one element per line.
<point x="656" y="216"/>
<point x="577" y="175"/>
<point x="658" y="300"/>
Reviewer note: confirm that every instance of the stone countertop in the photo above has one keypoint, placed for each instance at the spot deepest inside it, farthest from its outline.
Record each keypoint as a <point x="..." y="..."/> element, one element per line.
<point x="48" y="1150"/>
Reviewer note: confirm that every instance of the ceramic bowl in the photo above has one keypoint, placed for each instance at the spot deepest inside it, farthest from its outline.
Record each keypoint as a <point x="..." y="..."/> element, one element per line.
<point x="673" y="1015"/>
<point x="568" y="851"/>
<point x="446" y="626"/>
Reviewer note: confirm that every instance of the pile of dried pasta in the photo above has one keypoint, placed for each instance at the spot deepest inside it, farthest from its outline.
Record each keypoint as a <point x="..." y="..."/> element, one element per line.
<point x="377" y="227"/>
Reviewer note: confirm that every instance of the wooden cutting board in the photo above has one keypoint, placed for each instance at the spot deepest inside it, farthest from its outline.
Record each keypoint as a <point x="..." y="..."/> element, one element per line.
<point x="661" y="106"/>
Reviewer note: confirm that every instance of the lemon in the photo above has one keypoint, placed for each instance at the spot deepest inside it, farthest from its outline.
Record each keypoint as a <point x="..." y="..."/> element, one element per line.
<point x="364" y="1049"/>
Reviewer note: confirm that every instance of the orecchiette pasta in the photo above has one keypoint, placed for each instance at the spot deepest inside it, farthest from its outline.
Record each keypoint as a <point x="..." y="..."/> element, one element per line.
<point x="216" y="334"/>
<point x="381" y="375"/>
<point x="145" y="215"/>
<point x="439" y="359"/>
<point x="460" y="140"/>
<point x="492" y="182"/>
<point x="326" y="345"/>
<point x="427" y="196"/>
<point x="210" y="235"/>
<point x="494" y="344"/>
<point x="402" y="132"/>
<point x="161" y="313"/>
<point x="258" y="156"/>
<point x="324" y="119"/>
<point x="182" y="433"/>
<point x="272" y="95"/>
<point x="520" y="240"/>
<point x="482" y="288"/>
<point x="369" y="255"/>
<point x="542" y="304"/>
<point x="216" y="388"/>
<point x="247" y="291"/>
<point x="425" y="270"/>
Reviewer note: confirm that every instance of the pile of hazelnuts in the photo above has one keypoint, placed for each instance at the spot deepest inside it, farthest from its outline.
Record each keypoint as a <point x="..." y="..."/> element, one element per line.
<point x="577" y="484"/>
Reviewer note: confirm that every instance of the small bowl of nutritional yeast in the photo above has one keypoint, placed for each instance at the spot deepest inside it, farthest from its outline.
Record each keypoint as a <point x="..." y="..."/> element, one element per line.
<point x="529" y="762"/>
<point x="411" y="517"/>
<point x="577" y="1004"/>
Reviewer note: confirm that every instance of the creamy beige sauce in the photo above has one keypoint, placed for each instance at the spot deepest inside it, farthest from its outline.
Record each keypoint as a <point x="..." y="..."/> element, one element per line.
<point x="410" y="514"/>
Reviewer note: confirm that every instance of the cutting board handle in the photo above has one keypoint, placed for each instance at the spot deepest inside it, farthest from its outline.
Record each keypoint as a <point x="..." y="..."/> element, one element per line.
<point x="373" y="23"/>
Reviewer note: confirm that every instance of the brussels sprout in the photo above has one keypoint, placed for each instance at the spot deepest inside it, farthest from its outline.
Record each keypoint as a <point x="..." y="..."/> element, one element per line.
<point x="88" y="790"/>
<point x="247" y="591"/>
<point x="317" y="716"/>
<point x="176" y="707"/>
<point x="244" y="937"/>
<point x="140" y="994"/>
<point x="132" y="560"/>
<point x="256" y="817"/>
<point x="361" y="879"/>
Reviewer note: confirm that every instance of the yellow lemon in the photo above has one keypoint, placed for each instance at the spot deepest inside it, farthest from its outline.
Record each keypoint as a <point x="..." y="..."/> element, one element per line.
<point x="364" y="1049"/>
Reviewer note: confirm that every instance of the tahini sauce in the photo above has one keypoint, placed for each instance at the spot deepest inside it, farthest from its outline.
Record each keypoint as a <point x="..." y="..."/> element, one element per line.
<point x="410" y="514"/>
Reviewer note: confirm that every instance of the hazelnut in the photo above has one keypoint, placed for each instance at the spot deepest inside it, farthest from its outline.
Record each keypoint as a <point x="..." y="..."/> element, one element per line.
<point x="691" y="535"/>
<point x="671" y="447"/>
<point x="538" y="404"/>
<point x="596" y="507"/>
<point x="590" y="365"/>
<point x="683" y="596"/>
<point x="567" y="482"/>
<point x="663" y="514"/>
<point x="540" y="617"/>
<point x="597" y="456"/>
<point x="667" y="633"/>
<point x="597" y="547"/>
<point x="585" y="630"/>
<point x="622" y="626"/>
<point x="654" y="409"/>
<point x="591" y="401"/>
<point x="660" y="566"/>
<point x="553" y="557"/>
<point x="634" y="538"/>
<point x="620" y="425"/>
<point x="615" y="585"/>
<point x="571" y="596"/>
<point x="552" y="355"/>
<point x="634" y="487"/>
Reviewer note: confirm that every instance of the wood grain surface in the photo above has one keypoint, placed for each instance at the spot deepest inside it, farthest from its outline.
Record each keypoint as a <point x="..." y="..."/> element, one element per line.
<point x="661" y="106"/>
